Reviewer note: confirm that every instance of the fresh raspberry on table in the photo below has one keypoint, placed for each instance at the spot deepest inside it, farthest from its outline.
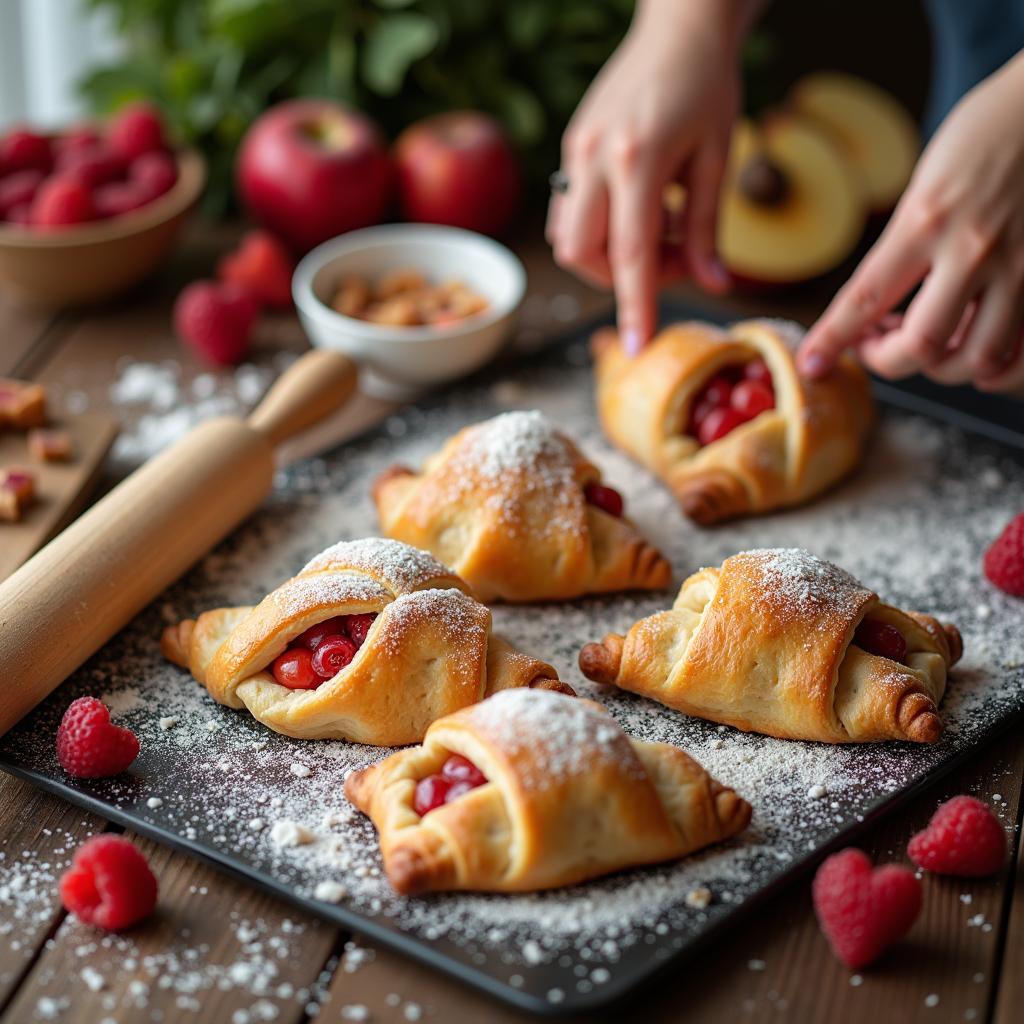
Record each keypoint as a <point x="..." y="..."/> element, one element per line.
<point x="263" y="266"/>
<point x="136" y="129"/>
<point x="154" y="173"/>
<point x="23" y="150"/>
<point x="1004" y="560"/>
<point x="17" y="189"/>
<point x="964" y="837"/>
<point x="119" y="197"/>
<point x="62" y="202"/>
<point x="109" y="884"/>
<point x="862" y="909"/>
<point x="89" y="745"/>
<point x="216" y="320"/>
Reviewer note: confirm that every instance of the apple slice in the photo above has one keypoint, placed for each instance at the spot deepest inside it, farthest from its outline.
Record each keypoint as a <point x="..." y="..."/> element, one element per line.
<point x="792" y="208"/>
<point x="874" y="130"/>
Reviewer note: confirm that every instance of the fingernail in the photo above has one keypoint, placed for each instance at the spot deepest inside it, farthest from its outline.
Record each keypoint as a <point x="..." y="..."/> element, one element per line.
<point x="631" y="342"/>
<point x="813" y="364"/>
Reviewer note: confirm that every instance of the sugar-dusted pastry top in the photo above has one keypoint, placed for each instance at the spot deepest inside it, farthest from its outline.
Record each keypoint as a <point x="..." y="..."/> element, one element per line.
<point x="536" y="791"/>
<point x="400" y="566"/>
<point x="784" y="643"/>
<point x="520" y="514"/>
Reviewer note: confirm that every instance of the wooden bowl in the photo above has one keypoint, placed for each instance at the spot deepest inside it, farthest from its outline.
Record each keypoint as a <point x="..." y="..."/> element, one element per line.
<point x="96" y="261"/>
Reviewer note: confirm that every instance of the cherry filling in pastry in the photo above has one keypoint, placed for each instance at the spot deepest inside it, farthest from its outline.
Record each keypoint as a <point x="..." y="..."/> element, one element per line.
<point x="322" y="651"/>
<point x="457" y="777"/>
<point x="605" y="498"/>
<point x="735" y="395"/>
<point x="882" y="639"/>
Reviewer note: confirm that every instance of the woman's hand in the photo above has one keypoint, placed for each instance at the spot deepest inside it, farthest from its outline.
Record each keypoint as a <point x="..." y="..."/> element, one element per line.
<point x="958" y="231"/>
<point x="660" y="111"/>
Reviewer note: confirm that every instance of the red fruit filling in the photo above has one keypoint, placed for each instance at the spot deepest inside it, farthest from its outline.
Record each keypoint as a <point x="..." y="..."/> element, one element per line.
<point x="322" y="651"/>
<point x="882" y="639"/>
<point x="457" y="777"/>
<point x="735" y="395"/>
<point x="605" y="498"/>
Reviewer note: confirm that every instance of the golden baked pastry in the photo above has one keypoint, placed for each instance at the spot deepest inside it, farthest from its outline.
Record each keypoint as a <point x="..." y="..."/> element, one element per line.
<point x="723" y="417"/>
<point x="534" y="790"/>
<point x="518" y="512"/>
<point x="371" y="642"/>
<point x="783" y="643"/>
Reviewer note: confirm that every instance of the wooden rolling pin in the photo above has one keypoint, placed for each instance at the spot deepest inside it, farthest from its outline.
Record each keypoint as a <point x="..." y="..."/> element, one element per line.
<point x="72" y="596"/>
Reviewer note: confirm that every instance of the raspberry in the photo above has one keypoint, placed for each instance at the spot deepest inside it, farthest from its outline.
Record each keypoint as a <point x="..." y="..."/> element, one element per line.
<point x="964" y="837"/>
<point x="91" y="165"/>
<point x="262" y="265"/>
<point x="118" y="198"/>
<point x="20" y="214"/>
<point x="17" y="189"/>
<point x="109" y="884"/>
<point x="216" y="320"/>
<point x="136" y="129"/>
<point x="89" y="745"/>
<point x="22" y="150"/>
<point x="1004" y="560"/>
<point x="862" y="909"/>
<point x="62" y="202"/>
<point x="154" y="173"/>
<point x="82" y="136"/>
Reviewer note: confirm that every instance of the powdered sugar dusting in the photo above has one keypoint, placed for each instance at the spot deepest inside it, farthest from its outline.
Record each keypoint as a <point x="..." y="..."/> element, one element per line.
<point x="455" y="611"/>
<point x="402" y="567"/>
<point x="559" y="736"/>
<point x="305" y="593"/>
<point x="911" y="525"/>
<point x="795" y="583"/>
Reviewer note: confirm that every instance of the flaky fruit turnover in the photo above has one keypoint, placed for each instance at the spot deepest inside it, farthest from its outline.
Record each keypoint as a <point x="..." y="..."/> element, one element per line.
<point x="783" y="643"/>
<point x="371" y="642"/>
<point x="723" y="417"/>
<point x="518" y="512"/>
<point x="535" y="790"/>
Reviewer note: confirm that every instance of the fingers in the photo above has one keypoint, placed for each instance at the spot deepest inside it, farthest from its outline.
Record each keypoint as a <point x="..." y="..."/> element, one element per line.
<point x="700" y="216"/>
<point x="988" y="341"/>
<point x="893" y="266"/>
<point x="633" y="245"/>
<point x="922" y="339"/>
<point x="1011" y="379"/>
<point x="580" y="237"/>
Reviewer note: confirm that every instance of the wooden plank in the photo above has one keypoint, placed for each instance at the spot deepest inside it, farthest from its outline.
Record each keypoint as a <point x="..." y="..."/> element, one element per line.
<point x="38" y="834"/>
<point x="20" y="330"/>
<point x="62" y="488"/>
<point x="779" y="963"/>
<point x="215" y="950"/>
<point x="1009" y="998"/>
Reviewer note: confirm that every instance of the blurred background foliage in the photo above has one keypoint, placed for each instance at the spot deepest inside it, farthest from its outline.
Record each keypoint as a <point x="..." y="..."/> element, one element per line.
<point x="213" y="65"/>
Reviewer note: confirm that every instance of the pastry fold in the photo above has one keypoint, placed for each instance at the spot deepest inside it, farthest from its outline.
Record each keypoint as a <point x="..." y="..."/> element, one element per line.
<point x="766" y="644"/>
<point x="569" y="797"/>
<point x="813" y="437"/>
<point x="429" y="652"/>
<point x="503" y="503"/>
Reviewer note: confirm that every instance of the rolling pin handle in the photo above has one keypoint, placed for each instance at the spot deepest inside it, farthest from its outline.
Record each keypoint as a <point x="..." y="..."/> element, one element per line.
<point x="318" y="384"/>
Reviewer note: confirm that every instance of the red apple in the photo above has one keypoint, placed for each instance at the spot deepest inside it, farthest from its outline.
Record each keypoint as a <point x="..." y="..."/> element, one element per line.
<point x="458" y="169"/>
<point x="311" y="169"/>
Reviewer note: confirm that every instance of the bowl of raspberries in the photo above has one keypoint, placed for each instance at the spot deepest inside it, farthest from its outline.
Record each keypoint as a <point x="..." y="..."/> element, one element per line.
<point x="89" y="212"/>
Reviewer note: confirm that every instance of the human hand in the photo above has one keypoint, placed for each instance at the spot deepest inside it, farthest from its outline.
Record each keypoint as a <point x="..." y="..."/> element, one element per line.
<point x="660" y="111"/>
<point x="958" y="231"/>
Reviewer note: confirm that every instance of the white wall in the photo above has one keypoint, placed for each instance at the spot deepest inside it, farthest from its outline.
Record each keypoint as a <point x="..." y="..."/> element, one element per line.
<point x="45" y="47"/>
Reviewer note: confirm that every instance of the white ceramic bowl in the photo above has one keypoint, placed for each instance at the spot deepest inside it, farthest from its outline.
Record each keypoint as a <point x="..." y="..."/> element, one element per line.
<point x="400" y="362"/>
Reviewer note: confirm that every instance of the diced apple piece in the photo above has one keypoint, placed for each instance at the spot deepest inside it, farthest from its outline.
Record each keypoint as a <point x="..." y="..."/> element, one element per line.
<point x="792" y="208"/>
<point x="873" y="128"/>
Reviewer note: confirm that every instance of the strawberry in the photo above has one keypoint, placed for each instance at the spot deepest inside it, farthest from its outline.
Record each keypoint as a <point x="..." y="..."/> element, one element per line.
<point x="18" y="189"/>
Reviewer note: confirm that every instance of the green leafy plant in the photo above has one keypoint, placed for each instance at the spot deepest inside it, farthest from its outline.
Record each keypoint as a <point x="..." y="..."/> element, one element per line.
<point x="213" y="65"/>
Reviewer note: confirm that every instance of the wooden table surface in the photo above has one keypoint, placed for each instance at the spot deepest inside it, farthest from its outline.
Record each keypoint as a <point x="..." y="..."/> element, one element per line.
<point x="219" y="951"/>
